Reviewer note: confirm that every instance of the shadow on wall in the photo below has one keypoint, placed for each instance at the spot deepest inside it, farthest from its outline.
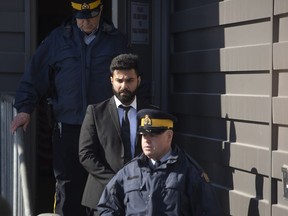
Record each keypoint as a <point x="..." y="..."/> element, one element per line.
<point x="226" y="154"/>
<point x="254" y="202"/>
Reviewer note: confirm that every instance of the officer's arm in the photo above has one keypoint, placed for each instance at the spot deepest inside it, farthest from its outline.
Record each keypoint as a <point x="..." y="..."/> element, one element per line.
<point x="112" y="199"/>
<point x="202" y="195"/>
<point x="34" y="83"/>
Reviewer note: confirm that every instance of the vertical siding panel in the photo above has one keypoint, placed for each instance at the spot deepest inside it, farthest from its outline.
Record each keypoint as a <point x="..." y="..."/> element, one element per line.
<point x="280" y="105"/>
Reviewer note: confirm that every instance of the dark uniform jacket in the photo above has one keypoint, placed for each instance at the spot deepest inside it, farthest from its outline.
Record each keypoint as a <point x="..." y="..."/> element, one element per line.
<point x="175" y="188"/>
<point x="80" y="73"/>
<point x="101" y="148"/>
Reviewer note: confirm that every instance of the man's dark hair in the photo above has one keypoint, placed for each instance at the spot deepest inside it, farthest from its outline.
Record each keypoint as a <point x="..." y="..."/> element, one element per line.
<point x="125" y="62"/>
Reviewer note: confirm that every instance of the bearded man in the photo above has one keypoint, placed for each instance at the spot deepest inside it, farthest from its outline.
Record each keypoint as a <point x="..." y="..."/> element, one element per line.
<point x="109" y="130"/>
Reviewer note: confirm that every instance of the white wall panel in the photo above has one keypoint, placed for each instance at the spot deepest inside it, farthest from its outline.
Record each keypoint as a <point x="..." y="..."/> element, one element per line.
<point x="281" y="84"/>
<point x="280" y="107"/>
<point x="280" y="6"/>
<point x="283" y="30"/>
<point x="249" y="108"/>
<point x="244" y="83"/>
<point x="226" y="12"/>
<point x="241" y="156"/>
<point x="247" y="34"/>
<point x="282" y="137"/>
<point x="279" y="210"/>
<point x="252" y="134"/>
<point x="245" y="10"/>
<point x="226" y="59"/>
<point x="240" y="205"/>
<point x="280" y="58"/>
<point x="251" y="184"/>
<point x="245" y="58"/>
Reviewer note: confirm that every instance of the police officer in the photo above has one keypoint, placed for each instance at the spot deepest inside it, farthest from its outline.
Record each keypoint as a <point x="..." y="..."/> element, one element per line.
<point x="73" y="62"/>
<point x="164" y="180"/>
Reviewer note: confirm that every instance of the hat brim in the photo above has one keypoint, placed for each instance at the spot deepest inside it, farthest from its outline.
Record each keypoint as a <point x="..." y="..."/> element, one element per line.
<point x="87" y="14"/>
<point x="152" y="130"/>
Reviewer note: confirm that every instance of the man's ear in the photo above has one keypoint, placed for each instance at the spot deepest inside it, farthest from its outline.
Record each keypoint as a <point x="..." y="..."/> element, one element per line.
<point x="111" y="79"/>
<point x="170" y="134"/>
<point x="139" y="81"/>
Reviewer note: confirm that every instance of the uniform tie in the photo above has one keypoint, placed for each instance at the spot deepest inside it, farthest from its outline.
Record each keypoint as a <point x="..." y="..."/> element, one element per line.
<point x="157" y="164"/>
<point x="125" y="130"/>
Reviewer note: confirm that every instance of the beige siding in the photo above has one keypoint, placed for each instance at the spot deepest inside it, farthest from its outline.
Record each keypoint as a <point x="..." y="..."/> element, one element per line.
<point x="280" y="103"/>
<point x="229" y="75"/>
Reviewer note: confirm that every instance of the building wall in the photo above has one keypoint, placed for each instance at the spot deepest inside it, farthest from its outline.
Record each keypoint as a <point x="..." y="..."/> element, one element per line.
<point x="17" y="39"/>
<point x="279" y="81"/>
<point x="12" y="42"/>
<point x="228" y="87"/>
<point x="229" y="90"/>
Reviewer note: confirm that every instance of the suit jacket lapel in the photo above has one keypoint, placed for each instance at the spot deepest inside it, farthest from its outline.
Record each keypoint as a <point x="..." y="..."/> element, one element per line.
<point x="140" y="104"/>
<point x="114" y="114"/>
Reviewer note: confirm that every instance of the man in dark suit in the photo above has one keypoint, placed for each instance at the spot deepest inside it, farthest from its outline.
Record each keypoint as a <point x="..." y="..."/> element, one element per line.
<point x="103" y="148"/>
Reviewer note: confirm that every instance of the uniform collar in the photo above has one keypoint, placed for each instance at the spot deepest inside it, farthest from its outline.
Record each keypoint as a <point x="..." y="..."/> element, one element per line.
<point x="164" y="158"/>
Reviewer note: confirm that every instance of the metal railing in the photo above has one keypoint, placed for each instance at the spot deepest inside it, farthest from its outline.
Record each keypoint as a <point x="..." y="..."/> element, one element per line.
<point x="13" y="174"/>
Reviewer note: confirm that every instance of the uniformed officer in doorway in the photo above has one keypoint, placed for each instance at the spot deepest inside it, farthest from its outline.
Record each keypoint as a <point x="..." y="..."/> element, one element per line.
<point x="163" y="180"/>
<point x="72" y="64"/>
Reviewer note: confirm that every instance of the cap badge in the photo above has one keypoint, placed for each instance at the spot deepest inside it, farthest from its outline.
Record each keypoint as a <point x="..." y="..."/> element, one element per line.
<point x="85" y="6"/>
<point x="147" y="121"/>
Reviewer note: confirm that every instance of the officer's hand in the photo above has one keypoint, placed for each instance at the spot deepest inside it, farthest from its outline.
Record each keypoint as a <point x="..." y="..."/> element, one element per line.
<point x="21" y="120"/>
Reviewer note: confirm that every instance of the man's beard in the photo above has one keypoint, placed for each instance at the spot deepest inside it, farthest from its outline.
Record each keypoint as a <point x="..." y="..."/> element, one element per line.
<point x="126" y="98"/>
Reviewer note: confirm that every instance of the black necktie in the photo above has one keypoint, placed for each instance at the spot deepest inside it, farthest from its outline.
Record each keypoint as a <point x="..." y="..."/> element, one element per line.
<point x="126" y="134"/>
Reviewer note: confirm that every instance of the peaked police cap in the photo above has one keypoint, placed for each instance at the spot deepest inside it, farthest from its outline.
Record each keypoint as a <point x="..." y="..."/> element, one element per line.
<point x="155" y="121"/>
<point x="85" y="9"/>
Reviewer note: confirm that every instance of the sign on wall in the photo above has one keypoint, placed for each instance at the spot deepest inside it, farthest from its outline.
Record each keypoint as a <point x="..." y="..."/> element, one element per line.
<point x="139" y="23"/>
